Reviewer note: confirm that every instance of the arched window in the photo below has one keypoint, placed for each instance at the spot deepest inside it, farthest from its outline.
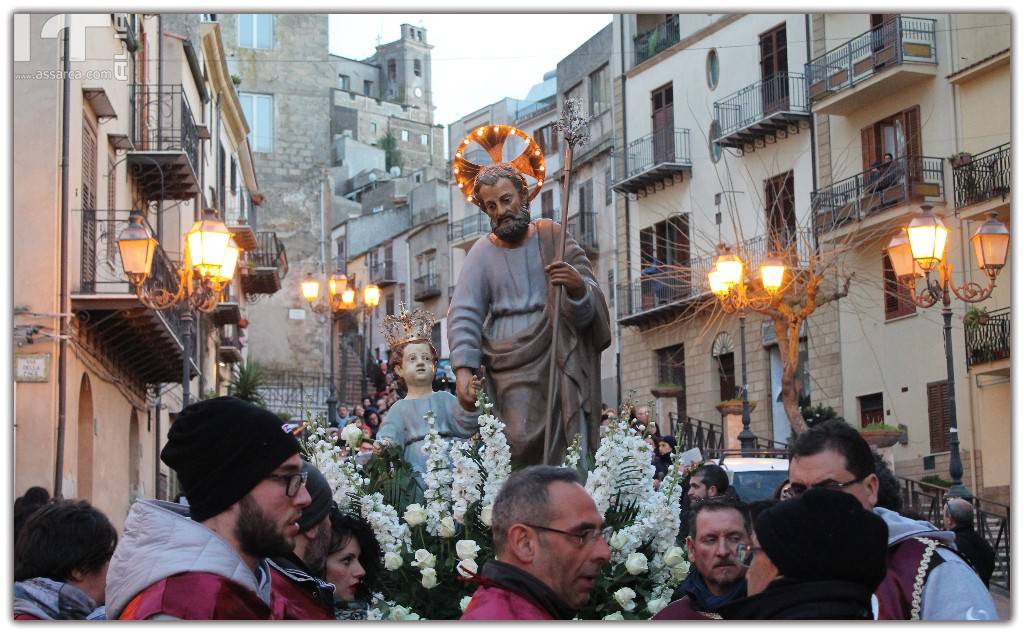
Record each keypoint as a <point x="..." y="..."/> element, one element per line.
<point x="725" y="365"/>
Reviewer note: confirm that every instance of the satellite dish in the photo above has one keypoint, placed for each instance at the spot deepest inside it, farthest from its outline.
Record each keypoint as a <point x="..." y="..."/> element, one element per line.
<point x="395" y="170"/>
<point x="372" y="177"/>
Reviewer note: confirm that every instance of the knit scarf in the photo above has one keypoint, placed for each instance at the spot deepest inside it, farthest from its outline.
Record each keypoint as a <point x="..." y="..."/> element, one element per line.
<point x="516" y="580"/>
<point x="52" y="600"/>
<point x="703" y="599"/>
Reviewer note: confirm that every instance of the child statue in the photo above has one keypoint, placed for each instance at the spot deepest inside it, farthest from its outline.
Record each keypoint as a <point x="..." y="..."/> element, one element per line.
<point x="414" y="361"/>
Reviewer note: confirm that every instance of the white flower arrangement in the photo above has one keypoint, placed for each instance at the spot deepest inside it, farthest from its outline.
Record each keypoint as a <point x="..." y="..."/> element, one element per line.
<point x="383" y="519"/>
<point x="496" y="457"/>
<point x="466" y="480"/>
<point x="438" y="479"/>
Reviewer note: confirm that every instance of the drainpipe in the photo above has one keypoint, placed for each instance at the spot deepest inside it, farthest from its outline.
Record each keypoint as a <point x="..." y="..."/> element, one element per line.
<point x="65" y="202"/>
<point x="625" y="137"/>
<point x="814" y="148"/>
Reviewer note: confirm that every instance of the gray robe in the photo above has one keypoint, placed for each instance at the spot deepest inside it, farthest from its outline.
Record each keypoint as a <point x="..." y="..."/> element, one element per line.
<point x="500" y="317"/>
<point x="404" y="425"/>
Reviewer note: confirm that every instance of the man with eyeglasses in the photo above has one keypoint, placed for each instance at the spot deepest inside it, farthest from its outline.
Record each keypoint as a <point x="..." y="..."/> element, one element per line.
<point x="242" y="475"/>
<point x="718" y="526"/>
<point x="550" y="544"/>
<point x="925" y="578"/>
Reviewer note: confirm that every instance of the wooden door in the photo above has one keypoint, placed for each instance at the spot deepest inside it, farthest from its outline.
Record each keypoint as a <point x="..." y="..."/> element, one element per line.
<point x="662" y="125"/>
<point x="780" y="214"/>
<point x="774" y="70"/>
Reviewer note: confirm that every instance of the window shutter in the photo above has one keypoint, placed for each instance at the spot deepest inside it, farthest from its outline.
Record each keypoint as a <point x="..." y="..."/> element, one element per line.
<point x="646" y="247"/>
<point x="938" y="416"/>
<point x="868" y="146"/>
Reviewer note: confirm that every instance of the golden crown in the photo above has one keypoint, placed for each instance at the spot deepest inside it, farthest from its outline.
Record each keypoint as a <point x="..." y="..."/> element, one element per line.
<point x="407" y="325"/>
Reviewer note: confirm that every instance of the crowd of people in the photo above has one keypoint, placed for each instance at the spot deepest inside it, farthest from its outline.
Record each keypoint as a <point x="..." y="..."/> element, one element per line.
<point x="261" y="538"/>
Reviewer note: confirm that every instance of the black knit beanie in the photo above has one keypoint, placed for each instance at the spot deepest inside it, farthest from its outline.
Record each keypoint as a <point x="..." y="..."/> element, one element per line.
<point x="824" y="535"/>
<point x="221" y="448"/>
<point x="320" y="492"/>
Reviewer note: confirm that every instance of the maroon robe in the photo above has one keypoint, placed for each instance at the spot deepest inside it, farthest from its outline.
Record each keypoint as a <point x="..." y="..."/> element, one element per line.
<point x="197" y="596"/>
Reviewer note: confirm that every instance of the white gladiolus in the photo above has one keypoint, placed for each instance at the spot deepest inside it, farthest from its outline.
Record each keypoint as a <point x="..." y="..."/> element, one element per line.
<point x="485" y="514"/>
<point x="447" y="528"/>
<point x="429" y="579"/>
<point x="496" y="456"/>
<point x="656" y="605"/>
<point x="614" y="616"/>
<point x="467" y="481"/>
<point x="414" y="515"/>
<point x="466" y="549"/>
<point x="352" y="435"/>
<point x="383" y="519"/>
<point x="392" y="561"/>
<point x="464" y="603"/>
<point x="636" y="563"/>
<point x="673" y="556"/>
<point x="424" y="559"/>
<point x="437" y="477"/>
<point x="467" y="567"/>
<point x="624" y="597"/>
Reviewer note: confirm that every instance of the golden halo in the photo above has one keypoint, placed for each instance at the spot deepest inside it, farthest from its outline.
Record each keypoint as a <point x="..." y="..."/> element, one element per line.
<point x="492" y="139"/>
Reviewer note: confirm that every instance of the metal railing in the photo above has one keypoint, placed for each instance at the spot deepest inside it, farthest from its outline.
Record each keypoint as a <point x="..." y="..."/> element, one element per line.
<point x="992" y="521"/>
<point x="530" y="110"/>
<point x="469" y="226"/>
<point x="296" y="393"/>
<point x="160" y="120"/>
<point x="268" y="254"/>
<point x="986" y="176"/>
<point x="872" y="191"/>
<point x="583" y="227"/>
<point x="671" y="145"/>
<point x="783" y="92"/>
<point x="428" y="284"/>
<point x="989" y="341"/>
<point x="894" y="42"/>
<point x="382" y="271"/>
<point x="647" y="45"/>
<point x="694" y="433"/>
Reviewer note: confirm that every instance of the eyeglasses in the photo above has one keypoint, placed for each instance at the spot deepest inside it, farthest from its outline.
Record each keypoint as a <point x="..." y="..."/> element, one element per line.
<point x="796" y="489"/>
<point x="585" y="536"/>
<point x="292" y="482"/>
<point x="745" y="554"/>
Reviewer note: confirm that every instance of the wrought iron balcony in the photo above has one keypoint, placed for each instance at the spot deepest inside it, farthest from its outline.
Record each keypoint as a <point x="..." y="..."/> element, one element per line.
<point x="531" y="110"/>
<point x="426" y="287"/>
<point x="145" y="343"/>
<point x="762" y="111"/>
<point x="660" y="157"/>
<point x="902" y="181"/>
<point x="647" y="45"/>
<point x="382" y="273"/>
<point x="468" y="229"/>
<point x="583" y="227"/>
<point x="897" y="53"/>
<point x="990" y="341"/>
<point x="265" y="266"/>
<point x="229" y="348"/>
<point x="164" y="161"/>
<point x="985" y="176"/>
<point x="228" y="311"/>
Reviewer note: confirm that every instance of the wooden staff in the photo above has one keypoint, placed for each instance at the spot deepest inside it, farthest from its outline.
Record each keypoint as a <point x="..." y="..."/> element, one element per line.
<point x="573" y="125"/>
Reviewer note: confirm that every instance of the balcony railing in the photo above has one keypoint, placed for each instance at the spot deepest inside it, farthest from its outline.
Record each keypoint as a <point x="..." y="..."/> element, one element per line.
<point x="662" y="146"/>
<point x="266" y="265"/>
<point x="426" y="287"/>
<point x="893" y="43"/>
<point x="102" y="271"/>
<point x="583" y="227"/>
<point x="986" y="176"/>
<point x="531" y="110"/>
<point x="162" y="128"/>
<point x="647" y="45"/>
<point x="469" y="227"/>
<point x="383" y="272"/>
<point x="901" y="181"/>
<point x="990" y="341"/>
<point x="780" y="96"/>
<point x="694" y="433"/>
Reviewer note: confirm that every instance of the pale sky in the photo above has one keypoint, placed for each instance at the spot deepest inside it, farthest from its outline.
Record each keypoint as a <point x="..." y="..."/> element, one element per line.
<point x="476" y="59"/>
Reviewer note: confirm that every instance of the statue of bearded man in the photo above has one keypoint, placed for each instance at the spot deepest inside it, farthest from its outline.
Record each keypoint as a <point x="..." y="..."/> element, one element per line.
<point x="501" y="318"/>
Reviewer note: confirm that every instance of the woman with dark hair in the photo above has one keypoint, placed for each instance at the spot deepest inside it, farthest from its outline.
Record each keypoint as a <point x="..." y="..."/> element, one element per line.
<point x="26" y="505"/>
<point x="353" y="563"/>
<point x="61" y="557"/>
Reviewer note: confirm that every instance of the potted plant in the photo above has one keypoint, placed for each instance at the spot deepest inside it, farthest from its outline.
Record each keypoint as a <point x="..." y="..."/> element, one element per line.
<point x="236" y="80"/>
<point x="960" y="159"/>
<point x="975" y="317"/>
<point x="733" y="406"/>
<point x="881" y="435"/>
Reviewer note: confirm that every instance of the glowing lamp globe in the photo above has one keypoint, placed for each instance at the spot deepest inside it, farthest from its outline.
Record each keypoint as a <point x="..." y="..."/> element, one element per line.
<point x="927" y="235"/>
<point x="730" y="268"/>
<point x="310" y="288"/>
<point x="773" y="270"/>
<point x="371" y="295"/>
<point x="137" y="248"/>
<point x="207" y="243"/>
<point x="991" y="242"/>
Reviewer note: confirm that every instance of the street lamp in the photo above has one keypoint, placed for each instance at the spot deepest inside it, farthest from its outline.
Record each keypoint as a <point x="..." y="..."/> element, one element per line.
<point x="207" y="266"/>
<point x="727" y="283"/>
<point x="371" y="298"/>
<point x="337" y="287"/>
<point x="920" y="249"/>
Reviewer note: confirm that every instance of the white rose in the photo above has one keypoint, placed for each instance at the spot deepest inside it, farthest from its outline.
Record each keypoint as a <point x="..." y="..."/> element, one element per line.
<point x="414" y="515"/>
<point x="680" y="571"/>
<point x="656" y="605"/>
<point x="636" y="563"/>
<point x="466" y="549"/>
<point x="398" y="613"/>
<point x="464" y="603"/>
<point x="619" y="540"/>
<point x="485" y="514"/>
<point x="614" y="616"/>
<point x="424" y="559"/>
<point x="412" y="616"/>
<point x="673" y="556"/>
<point x="392" y="561"/>
<point x="467" y="567"/>
<point x="429" y="579"/>
<point x="447" y="529"/>
<point x="352" y="434"/>
<point x="624" y="597"/>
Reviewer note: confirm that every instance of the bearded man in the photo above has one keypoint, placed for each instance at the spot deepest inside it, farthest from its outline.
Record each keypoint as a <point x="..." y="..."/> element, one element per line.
<point x="500" y="318"/>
